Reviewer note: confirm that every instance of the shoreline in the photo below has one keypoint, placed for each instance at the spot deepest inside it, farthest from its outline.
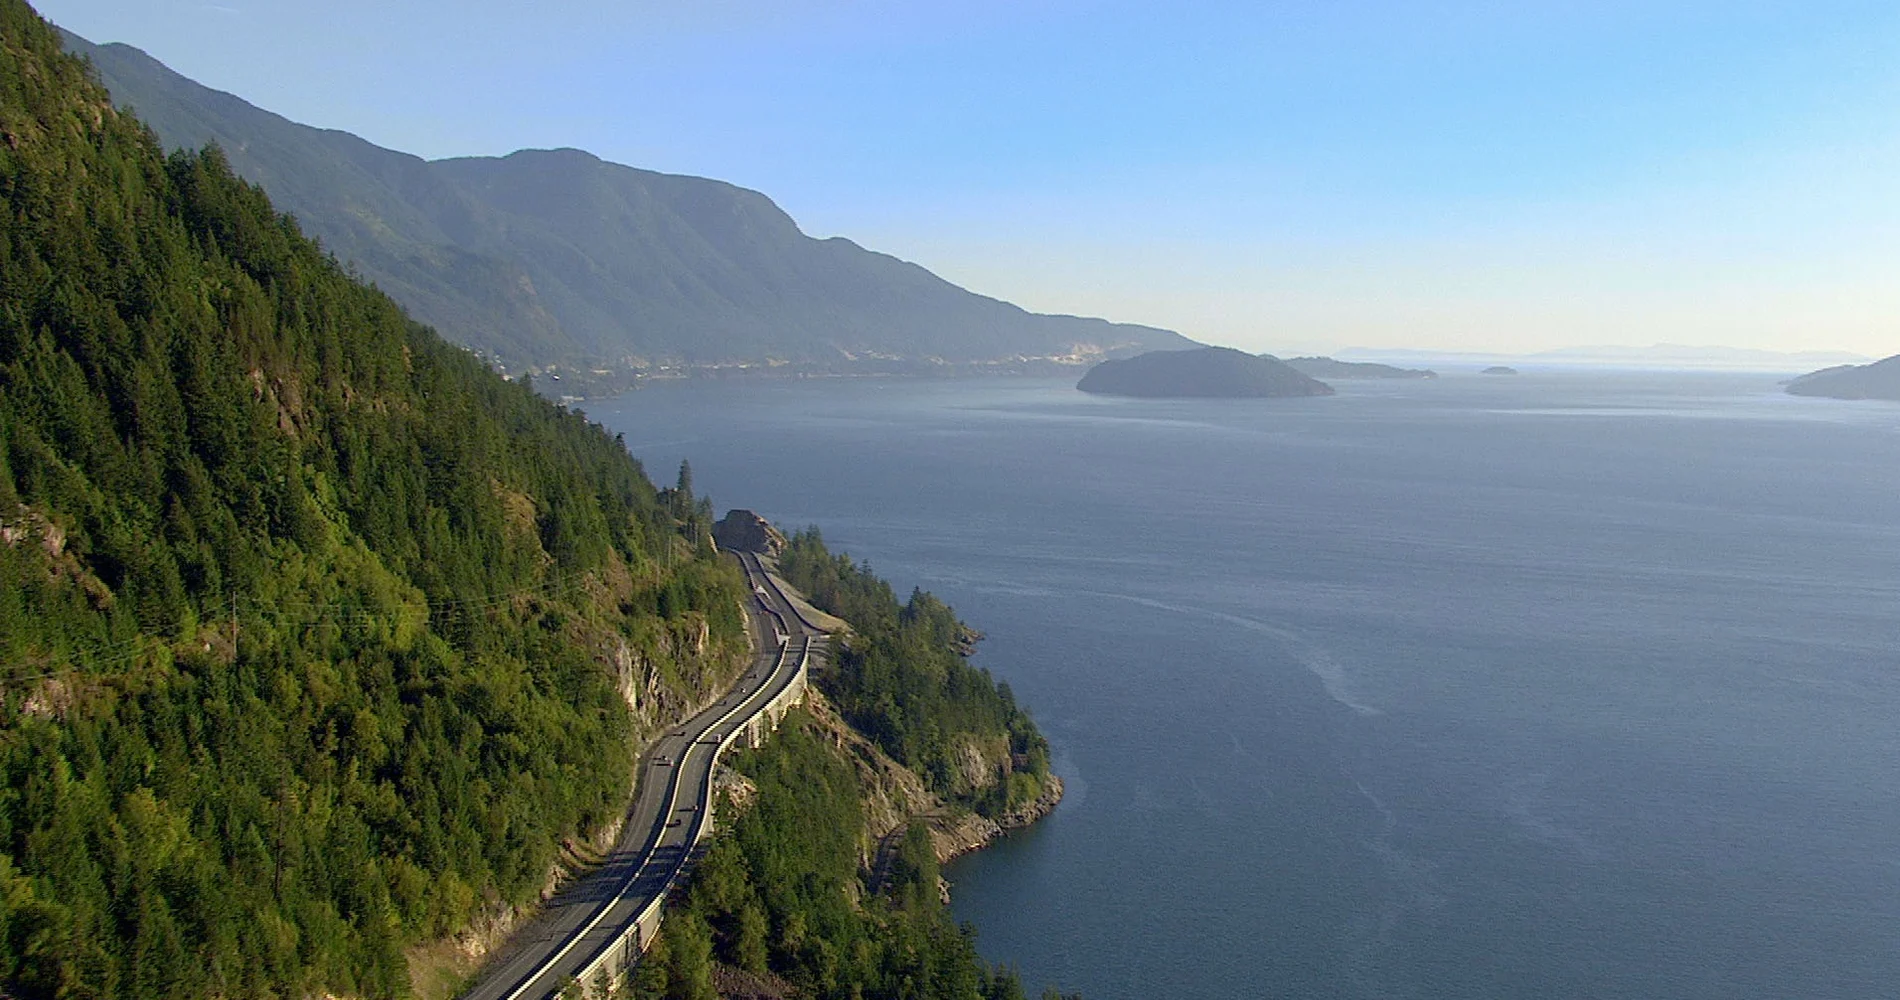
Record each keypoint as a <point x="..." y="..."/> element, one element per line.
<point x="953" y="837"/>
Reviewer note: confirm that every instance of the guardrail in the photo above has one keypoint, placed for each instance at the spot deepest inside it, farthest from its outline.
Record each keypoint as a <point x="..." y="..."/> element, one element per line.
<point x="640" y="930"/>
<point x="622" y="952"/>
<point x="773" y="583"/>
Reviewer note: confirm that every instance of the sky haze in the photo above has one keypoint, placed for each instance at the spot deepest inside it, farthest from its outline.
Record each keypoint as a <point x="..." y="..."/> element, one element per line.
<point x="1286" y="177"/>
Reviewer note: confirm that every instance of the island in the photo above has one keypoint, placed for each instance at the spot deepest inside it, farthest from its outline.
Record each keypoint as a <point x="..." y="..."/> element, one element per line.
<point x="1879" y="380"/>
<point x="1208" y="372"/>
<point x="1319" y="367"/>
<point x="1499" y="370"/>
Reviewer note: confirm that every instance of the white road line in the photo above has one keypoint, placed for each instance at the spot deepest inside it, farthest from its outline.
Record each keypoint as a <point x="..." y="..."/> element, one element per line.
<point x="672" y="805"/>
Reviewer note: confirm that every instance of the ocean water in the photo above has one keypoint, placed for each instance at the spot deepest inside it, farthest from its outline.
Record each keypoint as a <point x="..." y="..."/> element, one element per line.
<point x="1565" y="685"/>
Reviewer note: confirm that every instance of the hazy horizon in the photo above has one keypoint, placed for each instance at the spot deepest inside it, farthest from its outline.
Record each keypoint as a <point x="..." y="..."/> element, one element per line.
<point x="1369" y="175"/>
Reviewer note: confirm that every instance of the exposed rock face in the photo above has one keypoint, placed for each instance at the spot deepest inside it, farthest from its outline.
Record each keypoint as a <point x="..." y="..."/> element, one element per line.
<point x="977" y="765"/>
<point x="1044" y="804"/>
<point x="737" y="790"/>
<point x="895" y="797"/>
<point x="956" y="834"/>
<point x="893" y="793"/>
<point x="738" y="984"/>
<point x="744" y="531"/>
<point x="27" y="524"/>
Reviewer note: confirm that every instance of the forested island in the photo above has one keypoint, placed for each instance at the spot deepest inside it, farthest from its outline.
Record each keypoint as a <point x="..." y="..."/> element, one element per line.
<point x="1220" y="372"/>
<point x="1879" y="380"/>
<point x="323" y="647"/>
<point x="1324" y="368"/>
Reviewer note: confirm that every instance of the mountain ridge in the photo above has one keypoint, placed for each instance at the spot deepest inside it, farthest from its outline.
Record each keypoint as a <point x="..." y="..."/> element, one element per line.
<point x="542" y="256"/>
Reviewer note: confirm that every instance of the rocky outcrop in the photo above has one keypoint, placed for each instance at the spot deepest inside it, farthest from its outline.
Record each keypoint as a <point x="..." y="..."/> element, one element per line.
<point x="734" y="789"/>
<point x="665" y="672"/>
<point x="1028" y="813"/>
<point x="955" y="835"/>
<point x="955" y="832"/>
<point x="744" y="531"/>
<point x="893" y="793"/>
<point x="895" y="797"/>
<point x="738" y="984"/>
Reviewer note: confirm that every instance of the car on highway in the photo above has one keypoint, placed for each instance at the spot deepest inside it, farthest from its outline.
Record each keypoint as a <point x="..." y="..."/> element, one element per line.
<point x="662" y="761"/>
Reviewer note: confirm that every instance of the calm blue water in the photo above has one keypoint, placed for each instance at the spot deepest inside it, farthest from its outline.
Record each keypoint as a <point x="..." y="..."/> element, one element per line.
<point x="1567" y="685"/>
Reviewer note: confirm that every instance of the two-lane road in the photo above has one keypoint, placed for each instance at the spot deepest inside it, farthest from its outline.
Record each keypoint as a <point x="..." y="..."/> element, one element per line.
<point x="669" y="811"/>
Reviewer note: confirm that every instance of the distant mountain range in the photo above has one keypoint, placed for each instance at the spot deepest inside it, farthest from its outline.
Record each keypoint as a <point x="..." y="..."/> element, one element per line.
<point x="556" y="255"/>
<point x="1654" y="356"/>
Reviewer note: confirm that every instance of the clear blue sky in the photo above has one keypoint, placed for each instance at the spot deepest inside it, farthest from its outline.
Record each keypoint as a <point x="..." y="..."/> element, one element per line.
<point x="1275" y="176"/>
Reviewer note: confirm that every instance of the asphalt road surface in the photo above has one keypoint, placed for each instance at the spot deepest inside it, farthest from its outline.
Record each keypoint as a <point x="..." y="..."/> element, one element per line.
<point x="668" y="811"/>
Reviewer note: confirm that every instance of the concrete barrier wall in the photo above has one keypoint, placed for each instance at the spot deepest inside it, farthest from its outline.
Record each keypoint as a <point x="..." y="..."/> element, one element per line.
<point x="617" y="958"/>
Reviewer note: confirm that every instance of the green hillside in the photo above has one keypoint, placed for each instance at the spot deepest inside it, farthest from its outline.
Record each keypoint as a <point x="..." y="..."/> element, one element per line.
<point x="902" y="681"/>
<point x="316" y="637"/>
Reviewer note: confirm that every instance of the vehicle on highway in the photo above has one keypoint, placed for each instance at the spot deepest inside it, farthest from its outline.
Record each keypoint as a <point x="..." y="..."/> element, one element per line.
<point x="662" y="760"/>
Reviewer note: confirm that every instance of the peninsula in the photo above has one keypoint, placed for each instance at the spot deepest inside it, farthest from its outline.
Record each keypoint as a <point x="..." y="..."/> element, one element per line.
<point x="1879" y="380"/>
<point x="1319" y="367"/>
<point x="1208" y="372"/>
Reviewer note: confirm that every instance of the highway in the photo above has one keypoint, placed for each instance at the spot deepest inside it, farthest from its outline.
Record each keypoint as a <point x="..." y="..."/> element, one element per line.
<point x="590" y="918"/>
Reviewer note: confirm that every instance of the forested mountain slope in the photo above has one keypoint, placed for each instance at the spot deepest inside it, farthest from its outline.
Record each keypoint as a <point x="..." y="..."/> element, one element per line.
<point x="550" y="255"/>
<point x="827" y="876"/>
<point x="901" y="680"/>
<point x="316" y="636"/>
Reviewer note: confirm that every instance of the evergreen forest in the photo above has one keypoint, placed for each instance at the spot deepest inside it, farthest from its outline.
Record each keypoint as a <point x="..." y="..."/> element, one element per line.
<point x="319" y="640"/>
<point x="781" y="892"/>
<point x="902" y="680"/>
<point x="316" y="637"/>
